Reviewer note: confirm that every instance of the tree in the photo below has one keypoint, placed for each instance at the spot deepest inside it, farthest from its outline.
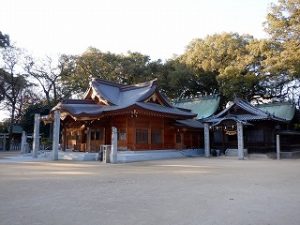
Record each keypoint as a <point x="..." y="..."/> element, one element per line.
<point x="216" y="52"/>
<point x="48" y="75"/>
<point x="283" y="26"/>
<point x="135" y="67"/>
<point x="126" y="69"/>
<point x="26" y="98"/>
<point x="176" y="80"/>
<point x="27" y="118"/>
<point x="92" y="63"/>
<point x="4" y="40"/>
<point x="283" y="21"/>
<point x="234" y="82"/>
<point x="12" y="81"/>
<point x="221" y="60"/>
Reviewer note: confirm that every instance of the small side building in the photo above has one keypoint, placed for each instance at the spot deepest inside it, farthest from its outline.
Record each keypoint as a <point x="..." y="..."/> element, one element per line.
<point x="259" y="125"/>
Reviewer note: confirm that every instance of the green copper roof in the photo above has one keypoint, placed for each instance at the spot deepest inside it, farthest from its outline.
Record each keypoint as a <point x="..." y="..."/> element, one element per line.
<point x="17" y="129"/>
<point x="281" y="110"/>
<point x="203" y="106"/>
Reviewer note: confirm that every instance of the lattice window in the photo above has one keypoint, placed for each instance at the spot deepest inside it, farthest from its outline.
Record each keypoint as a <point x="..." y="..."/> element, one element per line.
<point x="142" y="136"/>
<point x="156" y="136"/>
<point x="178" y="138"/>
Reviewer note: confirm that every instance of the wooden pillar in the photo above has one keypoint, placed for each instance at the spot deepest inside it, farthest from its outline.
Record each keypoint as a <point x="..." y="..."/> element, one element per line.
<point x="36" y="136"/>
<point x="88" y="140"/>
<point x="55" y="141"/>
<point x="149" y="135"/>
<point x="206" y="140"/>
<point x="278" y="146"/>
<point x="163" y="133"/>
<point x="114" y="145"/>
<point x="240" y="137"/>
<point x="4" y="142"/>
<point x="23" y="142"/>
<point x="65" y="139"/>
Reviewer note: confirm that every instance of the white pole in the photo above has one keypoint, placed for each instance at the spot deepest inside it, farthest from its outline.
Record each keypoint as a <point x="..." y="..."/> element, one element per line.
<point x="278" y="146"/>
<point x="36" y="136"/>
<point x="23" y="142"/>
<point x="206" y="140"/>
<point x="55" y="141"/>
<point x="240" y="140"/>
<point x="114" y="145"/>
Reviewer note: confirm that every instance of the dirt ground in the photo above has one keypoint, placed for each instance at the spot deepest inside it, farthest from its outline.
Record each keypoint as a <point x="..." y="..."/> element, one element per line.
<point x="169" y="192"/>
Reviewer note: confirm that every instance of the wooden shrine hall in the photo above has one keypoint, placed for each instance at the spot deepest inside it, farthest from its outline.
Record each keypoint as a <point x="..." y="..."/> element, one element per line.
<point x="144" y="118"/>
<point x="243" y="126"/>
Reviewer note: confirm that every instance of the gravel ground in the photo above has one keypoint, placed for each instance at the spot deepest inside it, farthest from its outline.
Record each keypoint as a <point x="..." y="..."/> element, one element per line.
<point x="169" y="192"/>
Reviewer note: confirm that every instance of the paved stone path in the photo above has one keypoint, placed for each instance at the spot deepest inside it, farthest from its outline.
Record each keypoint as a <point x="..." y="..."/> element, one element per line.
<point x="169" y="192"/>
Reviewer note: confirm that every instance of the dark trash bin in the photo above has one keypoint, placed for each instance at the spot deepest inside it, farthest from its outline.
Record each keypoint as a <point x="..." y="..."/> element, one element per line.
<point x="100" y="155"/>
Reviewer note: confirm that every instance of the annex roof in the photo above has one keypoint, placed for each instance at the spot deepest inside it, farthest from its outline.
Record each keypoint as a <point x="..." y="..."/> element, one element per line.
<point x="244" y="112"/>
<point x="204" y="106"/>
<point x="192" y="123"/>
<point x="283" y="110"/>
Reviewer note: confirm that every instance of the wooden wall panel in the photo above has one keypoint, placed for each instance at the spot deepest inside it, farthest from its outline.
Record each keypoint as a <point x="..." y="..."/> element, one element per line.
<point x="130" y="133"/>
<point x="127" y="125"/>
<point x="169" y="135"/>
<point x="187" y="140"/>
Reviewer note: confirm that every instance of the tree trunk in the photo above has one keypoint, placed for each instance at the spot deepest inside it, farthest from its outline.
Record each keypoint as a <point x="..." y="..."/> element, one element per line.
<point x="10" y="132"/>
<point x="54" y="92"/>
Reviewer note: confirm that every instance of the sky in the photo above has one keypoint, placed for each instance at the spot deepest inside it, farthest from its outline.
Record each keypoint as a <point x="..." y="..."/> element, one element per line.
<point x="158" y="28"/>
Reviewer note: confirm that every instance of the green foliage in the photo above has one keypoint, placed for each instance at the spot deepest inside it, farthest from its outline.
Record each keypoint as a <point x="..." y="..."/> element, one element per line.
<point x="4" y="126"/>
<point x="13" y="82"/>
<point x="283" y="21"/>
<point x="175" y="80"/>
<point x="216" y="52"/>
<point x="227" y="62"/>
<point x="233" y="83"/>
<point x="81" y="69"/>
<point x="27" y="120"/>
<point x="4" y="40"/>
<point x="283" y="25"/>
<point x="126" y="69"/>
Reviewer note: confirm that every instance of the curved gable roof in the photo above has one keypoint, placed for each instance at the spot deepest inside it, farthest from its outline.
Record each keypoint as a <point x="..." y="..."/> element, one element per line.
<point x="120" y="95"/>
<point x="251" y="113"/>
<point x="119" y="98"/>
<point x="245" y="106"/>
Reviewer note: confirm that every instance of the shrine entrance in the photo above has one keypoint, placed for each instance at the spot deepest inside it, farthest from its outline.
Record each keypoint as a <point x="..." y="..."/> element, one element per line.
<point x="230" y="133"/>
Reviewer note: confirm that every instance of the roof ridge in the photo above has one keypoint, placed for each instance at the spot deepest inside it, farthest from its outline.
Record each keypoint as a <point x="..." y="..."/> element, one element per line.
<point x="248" y="107"/>
<point x="199" y="98"/>
<point x="107" y="82"/>
<point x="274" y="104"/>
<point x="125" y="87"/>
<point x="77" y="101"/>
<point x="139" y="85"/>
